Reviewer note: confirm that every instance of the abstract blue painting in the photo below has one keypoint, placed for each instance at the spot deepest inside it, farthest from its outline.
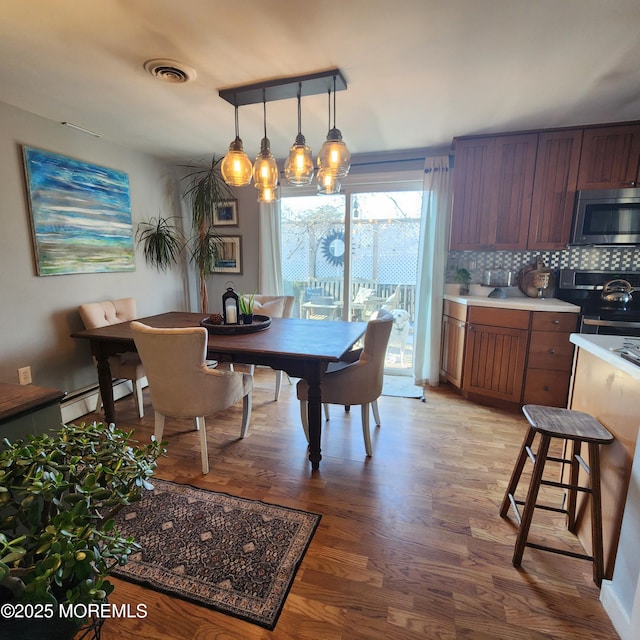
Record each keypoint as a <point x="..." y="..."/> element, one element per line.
<point x="81" y="215"/>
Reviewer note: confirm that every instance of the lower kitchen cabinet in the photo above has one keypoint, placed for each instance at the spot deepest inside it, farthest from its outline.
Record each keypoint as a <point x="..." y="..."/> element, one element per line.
<point x="507" y="356"/>
<point x="550" y="359"/>
<point x="454" y="323"/>
<point x="495" y="353"/>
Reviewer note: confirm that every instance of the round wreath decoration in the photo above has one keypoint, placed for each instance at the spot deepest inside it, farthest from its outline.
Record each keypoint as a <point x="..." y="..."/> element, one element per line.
<point x="333" y="247"/>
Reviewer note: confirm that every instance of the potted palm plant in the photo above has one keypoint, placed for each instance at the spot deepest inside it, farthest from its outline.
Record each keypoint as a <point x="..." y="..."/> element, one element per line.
<point x="59" y="494"/>
<point x="163" y="242"/>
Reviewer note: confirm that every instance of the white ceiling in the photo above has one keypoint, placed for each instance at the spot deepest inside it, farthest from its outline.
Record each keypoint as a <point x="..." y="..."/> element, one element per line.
<point x="418" y="71"/>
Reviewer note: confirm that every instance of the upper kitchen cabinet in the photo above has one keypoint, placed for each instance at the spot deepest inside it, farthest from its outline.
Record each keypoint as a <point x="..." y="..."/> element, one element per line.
<point x="554" y="189"/>
<point x="471" y="217"/>
<point x="493" y="184"/>
<point x="610" y="157"/>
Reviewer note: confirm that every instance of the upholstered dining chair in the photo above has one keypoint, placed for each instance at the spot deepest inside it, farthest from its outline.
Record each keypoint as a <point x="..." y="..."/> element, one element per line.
<point x="180" y="383"/>
<point x="353" y="383"/>
<point x="274" y="307"/>
<point x="123" y="365"/>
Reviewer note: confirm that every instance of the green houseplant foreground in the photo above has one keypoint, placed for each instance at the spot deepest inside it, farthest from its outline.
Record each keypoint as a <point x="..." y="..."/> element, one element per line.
<point x="58" y="542"/>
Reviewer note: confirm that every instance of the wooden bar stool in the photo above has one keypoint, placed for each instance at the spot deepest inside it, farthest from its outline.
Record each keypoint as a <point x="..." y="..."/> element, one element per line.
<point x="578" y="428"/>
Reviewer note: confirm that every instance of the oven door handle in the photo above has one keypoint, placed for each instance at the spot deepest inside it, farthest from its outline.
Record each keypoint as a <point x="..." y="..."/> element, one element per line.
<point x="611" y="323"/>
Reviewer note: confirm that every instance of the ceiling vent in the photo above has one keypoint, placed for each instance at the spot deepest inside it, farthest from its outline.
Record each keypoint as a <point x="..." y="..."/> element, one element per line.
<point x="170" y="70"/>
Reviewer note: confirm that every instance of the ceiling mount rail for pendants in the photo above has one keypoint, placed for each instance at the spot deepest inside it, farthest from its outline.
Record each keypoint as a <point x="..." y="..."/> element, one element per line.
<point x="284" y="87"/>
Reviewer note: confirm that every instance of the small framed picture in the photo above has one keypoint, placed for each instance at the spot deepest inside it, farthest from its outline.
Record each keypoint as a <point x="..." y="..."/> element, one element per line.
<point x="229" y="258"/>
<point x="226" y="214"/>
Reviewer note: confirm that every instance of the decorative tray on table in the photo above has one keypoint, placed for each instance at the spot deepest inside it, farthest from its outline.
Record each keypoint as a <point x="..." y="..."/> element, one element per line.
<point x="259" y="324"/>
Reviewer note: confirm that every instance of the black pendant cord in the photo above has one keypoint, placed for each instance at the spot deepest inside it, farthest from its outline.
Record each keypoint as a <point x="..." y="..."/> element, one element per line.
<point x="334" y="102"/>
<point x="264" y="111"/>
<point x="299" y="109"/>
<point x="237" y="127"/>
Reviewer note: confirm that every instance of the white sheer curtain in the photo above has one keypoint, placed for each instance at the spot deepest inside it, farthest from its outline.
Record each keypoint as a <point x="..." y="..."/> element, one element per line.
<point x="270" y="257"/>
<point x="432" y="258"/>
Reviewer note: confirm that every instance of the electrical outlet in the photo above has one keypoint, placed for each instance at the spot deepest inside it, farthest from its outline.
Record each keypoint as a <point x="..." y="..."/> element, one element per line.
<point x="24" y="375"/>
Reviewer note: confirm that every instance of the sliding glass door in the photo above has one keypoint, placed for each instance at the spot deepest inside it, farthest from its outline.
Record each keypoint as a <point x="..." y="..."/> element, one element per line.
<point x="349" y="255"/>
<point x="314" y="247"/>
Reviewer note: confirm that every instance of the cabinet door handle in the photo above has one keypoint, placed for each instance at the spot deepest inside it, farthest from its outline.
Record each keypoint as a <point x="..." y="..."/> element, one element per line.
<point x="552" y="352"/>
<point x="547" y="387"/>
<point x="556" y="321"/>
<point x="470" y="327"/>
<point x="461" y="325"/>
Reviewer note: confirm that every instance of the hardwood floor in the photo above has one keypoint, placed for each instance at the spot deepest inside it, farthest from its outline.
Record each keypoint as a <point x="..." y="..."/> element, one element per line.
<point x="410" y="544"/>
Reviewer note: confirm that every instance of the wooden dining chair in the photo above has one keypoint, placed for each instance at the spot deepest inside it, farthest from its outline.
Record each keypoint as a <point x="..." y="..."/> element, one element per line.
<point x="180" y="383"/>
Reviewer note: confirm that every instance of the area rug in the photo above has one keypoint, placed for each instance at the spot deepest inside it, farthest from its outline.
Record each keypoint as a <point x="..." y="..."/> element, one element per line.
<point x="401" y="387"/>
<point x="233" y="555"/>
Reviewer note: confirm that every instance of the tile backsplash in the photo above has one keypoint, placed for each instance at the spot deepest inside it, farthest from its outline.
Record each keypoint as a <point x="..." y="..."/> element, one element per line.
<point x="594" y="258"/>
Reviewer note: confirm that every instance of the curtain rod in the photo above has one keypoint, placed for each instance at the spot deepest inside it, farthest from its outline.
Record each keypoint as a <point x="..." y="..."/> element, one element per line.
<point x="397" y="160"/>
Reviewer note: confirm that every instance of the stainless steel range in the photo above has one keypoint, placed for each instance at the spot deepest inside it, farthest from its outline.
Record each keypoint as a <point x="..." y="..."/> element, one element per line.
<point x="609" y="301"/>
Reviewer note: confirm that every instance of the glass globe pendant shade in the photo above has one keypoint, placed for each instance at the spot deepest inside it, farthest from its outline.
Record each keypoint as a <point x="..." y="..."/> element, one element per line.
<point x="298" y="168"/>
<point x="267" y="194"/>
<point x="334" y="157"/>
<point x="236" y="167"/>
<point x="327" y="184"/>
<point x="265" y="169"/>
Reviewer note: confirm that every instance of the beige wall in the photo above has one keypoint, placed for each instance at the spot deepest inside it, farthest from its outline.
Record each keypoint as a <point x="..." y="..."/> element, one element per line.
<point x="37" y="314"/>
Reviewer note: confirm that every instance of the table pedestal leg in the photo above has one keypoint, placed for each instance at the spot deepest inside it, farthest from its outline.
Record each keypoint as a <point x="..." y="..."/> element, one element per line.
<point x="314" y="413"/>
<point x="106" y="388"/>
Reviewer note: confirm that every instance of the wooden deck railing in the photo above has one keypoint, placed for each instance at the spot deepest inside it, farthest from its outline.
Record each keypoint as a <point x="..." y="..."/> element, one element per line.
<point x="406" y="293"/>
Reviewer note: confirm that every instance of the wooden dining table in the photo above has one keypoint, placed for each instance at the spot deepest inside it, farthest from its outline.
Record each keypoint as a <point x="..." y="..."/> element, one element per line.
<point x="302" y="348"/>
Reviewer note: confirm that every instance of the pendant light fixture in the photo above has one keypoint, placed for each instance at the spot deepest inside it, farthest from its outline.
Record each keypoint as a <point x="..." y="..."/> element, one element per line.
<point x="334" y="158"/>
<point x="236" y="166"/>
<point x="265" y="169"/>
<point x="333" y="161"/>
<point x="298" y="168"/>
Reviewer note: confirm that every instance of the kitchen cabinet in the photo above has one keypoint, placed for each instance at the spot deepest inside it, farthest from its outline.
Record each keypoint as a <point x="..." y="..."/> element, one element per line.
<point x="549" y="359"/>
<point x="554" y="189"/>
<point x="493" y="182"/>
<point x="453" y="339"/>
<point x="608" y="387"/>
<point x="516" y="191"/>
<point x="471" y="217"/>
<point x="507" y="356"/>
<point x="495" y="353"/>
<point x="610" y="157"/>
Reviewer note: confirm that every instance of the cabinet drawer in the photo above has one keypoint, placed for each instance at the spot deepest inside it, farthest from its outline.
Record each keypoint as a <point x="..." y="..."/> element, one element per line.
<point x="548" y="388"/>
<point x="490" y="316"/>
<point x="550" y="321"/>
<point x="455" y="310"/>
<point x="549" y="350"/>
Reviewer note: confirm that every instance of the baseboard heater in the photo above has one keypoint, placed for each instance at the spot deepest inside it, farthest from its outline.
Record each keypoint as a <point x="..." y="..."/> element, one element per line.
<point x="83" y="401"/>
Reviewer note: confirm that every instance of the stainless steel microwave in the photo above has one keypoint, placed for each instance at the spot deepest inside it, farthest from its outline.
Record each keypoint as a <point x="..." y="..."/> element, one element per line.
<point x="607" y="216"/>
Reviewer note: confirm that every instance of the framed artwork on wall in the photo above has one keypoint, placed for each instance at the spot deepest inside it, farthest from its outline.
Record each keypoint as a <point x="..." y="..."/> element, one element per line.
<point x="80" y="215"/>
<point x="229" y="254"/>
<point x="226" y="214"/>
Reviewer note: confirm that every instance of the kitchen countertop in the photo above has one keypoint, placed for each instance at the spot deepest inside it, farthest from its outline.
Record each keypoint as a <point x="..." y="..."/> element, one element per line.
<point x="515" y="302"/>
<point x="603" y="347"/>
